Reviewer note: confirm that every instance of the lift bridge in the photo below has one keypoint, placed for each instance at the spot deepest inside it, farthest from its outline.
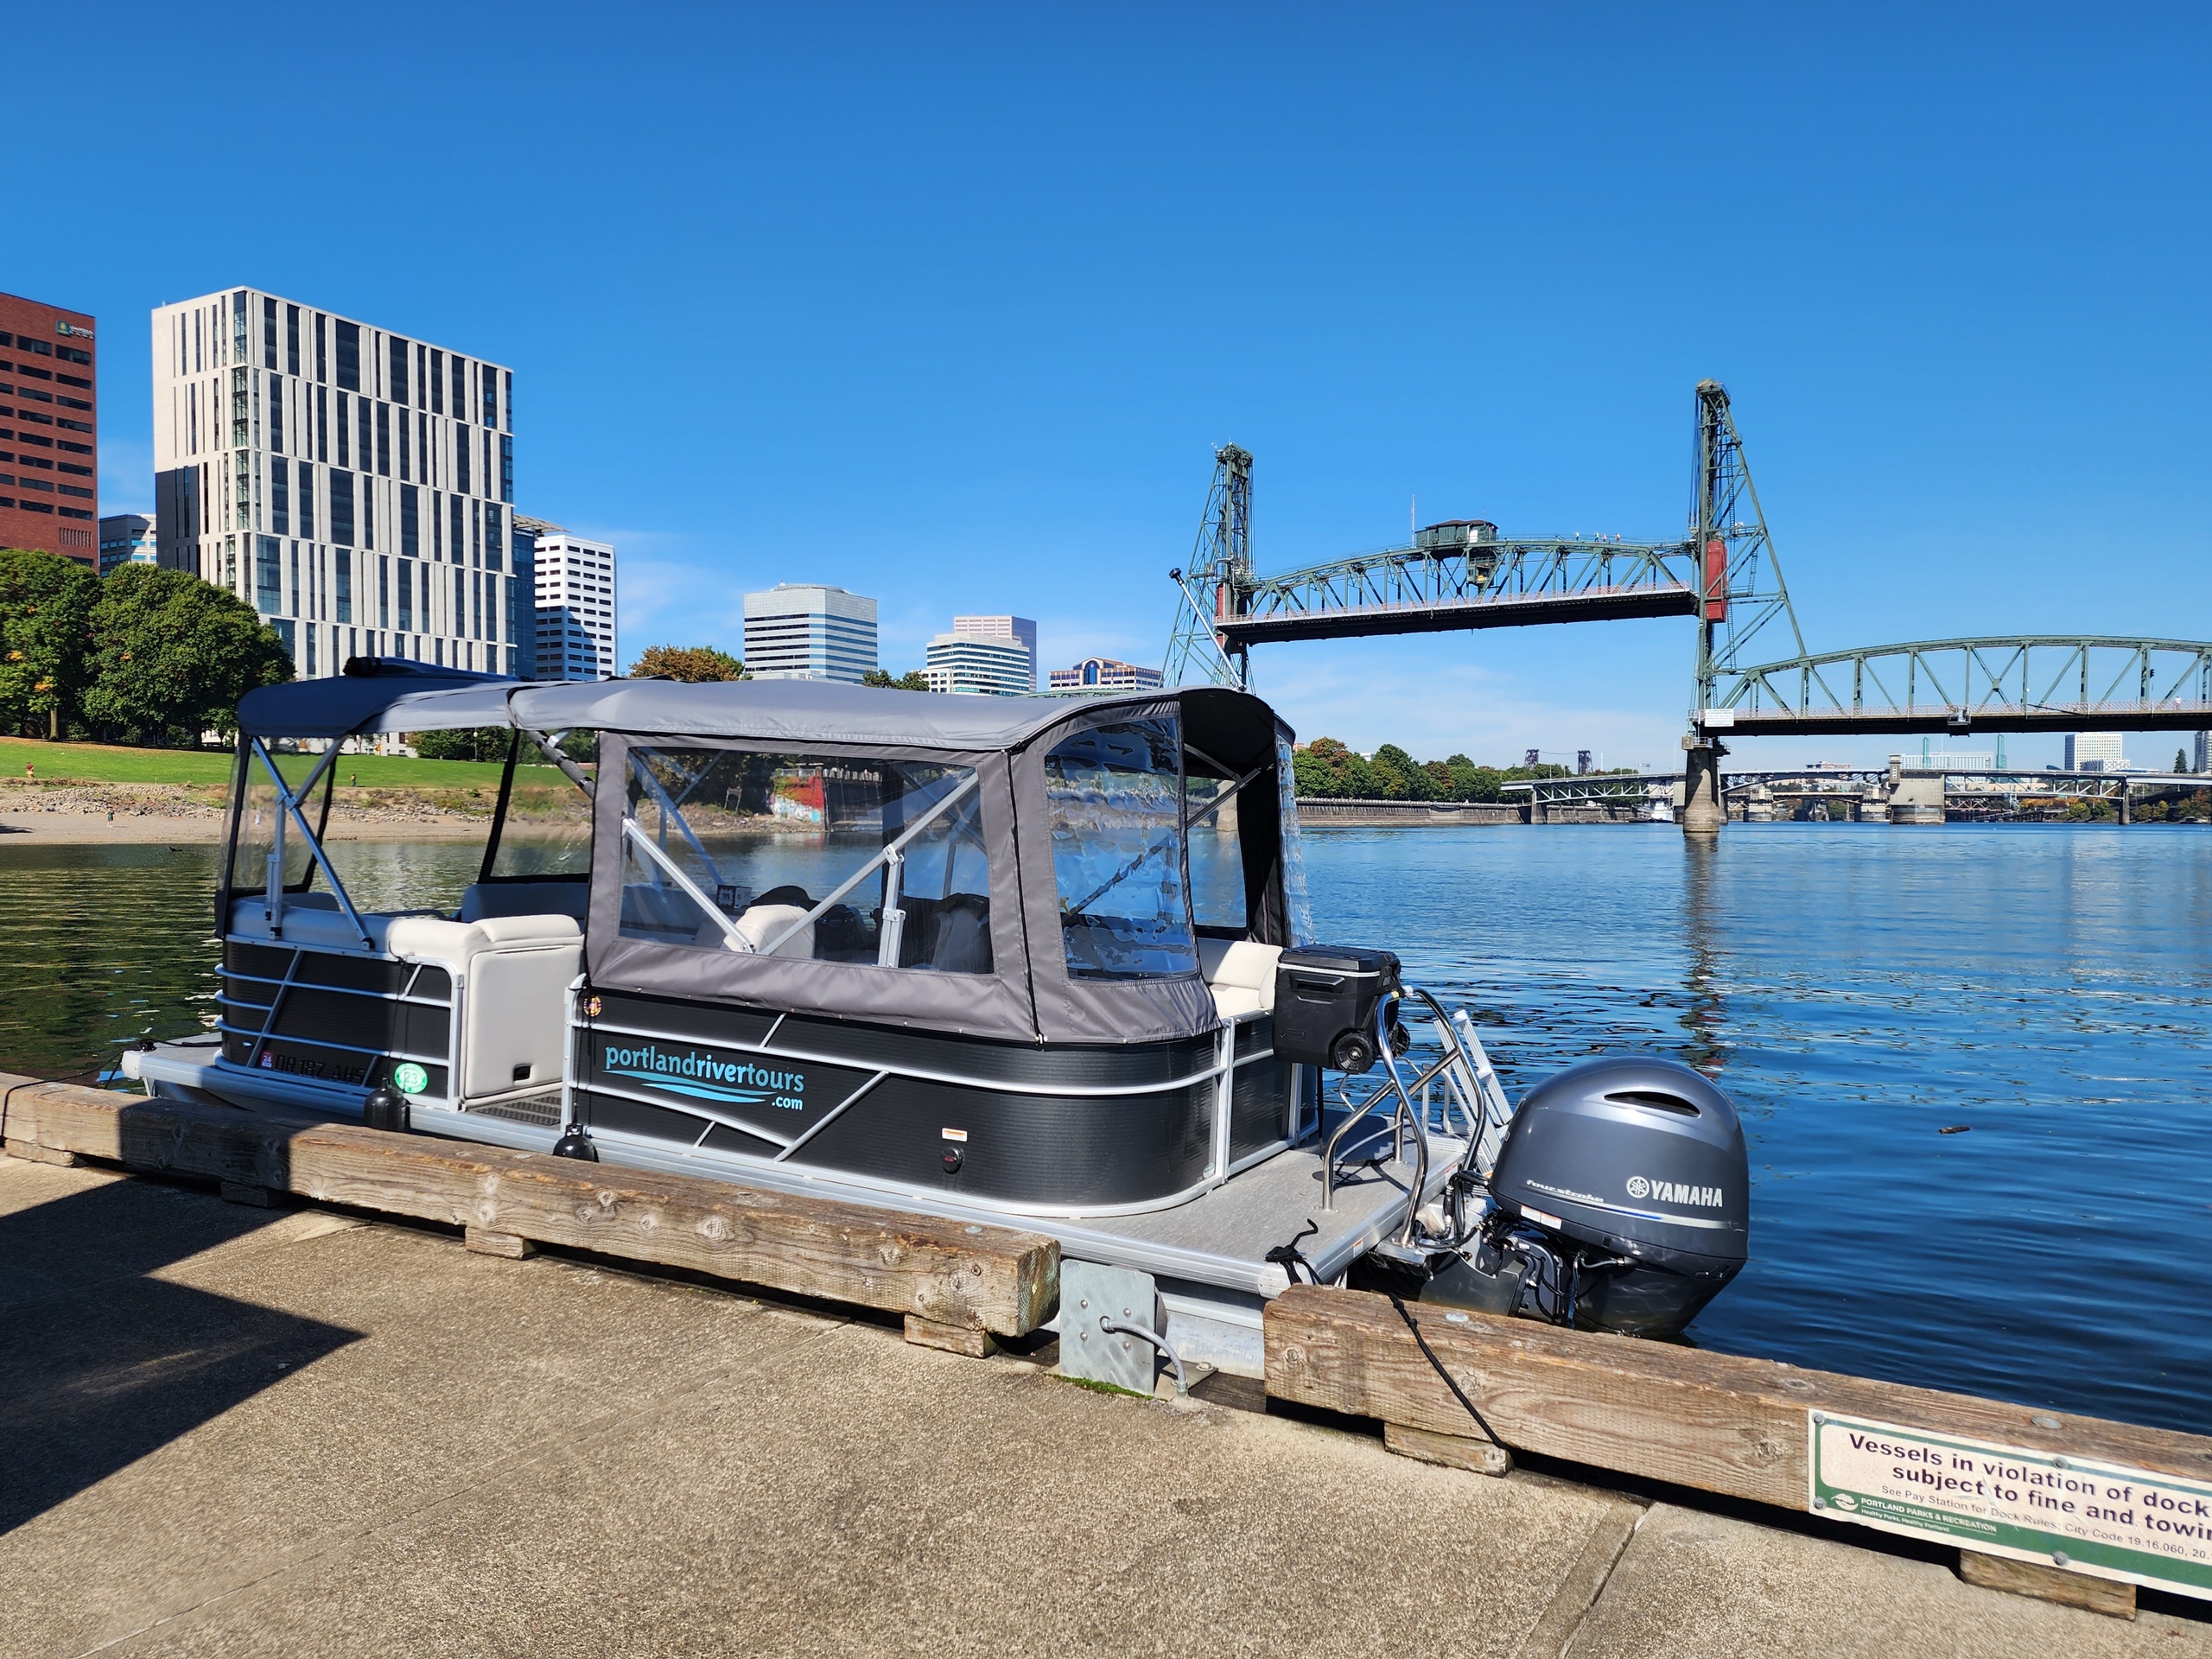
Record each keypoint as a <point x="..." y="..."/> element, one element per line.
<point x="1753" y="674"/>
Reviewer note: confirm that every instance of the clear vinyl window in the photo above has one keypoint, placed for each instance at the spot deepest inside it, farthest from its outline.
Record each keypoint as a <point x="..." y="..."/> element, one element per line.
<point x="1116" y="796"/>
<point x="830" y="858"/>
<point x="1215" y="849"/>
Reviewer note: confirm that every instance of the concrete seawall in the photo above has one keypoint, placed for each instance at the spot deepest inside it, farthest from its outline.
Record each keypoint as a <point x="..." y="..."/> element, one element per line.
<point x="1403" y="815"/>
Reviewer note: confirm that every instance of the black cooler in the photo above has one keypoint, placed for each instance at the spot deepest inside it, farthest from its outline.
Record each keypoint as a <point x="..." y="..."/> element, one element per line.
<point x="1325" y="1001"/>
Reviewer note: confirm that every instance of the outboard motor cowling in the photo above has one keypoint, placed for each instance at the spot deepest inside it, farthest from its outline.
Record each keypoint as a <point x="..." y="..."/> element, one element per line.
<point x="1637" y="1167"/>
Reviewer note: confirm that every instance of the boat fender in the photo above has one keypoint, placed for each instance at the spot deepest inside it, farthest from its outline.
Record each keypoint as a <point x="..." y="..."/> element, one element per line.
<point x="386" y="1110"/>
<point x="575" y="1143"/>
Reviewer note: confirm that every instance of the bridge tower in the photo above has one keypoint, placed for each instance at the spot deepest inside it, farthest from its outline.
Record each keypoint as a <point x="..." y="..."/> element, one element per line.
<point x="1217" y="582"/>
<point x="1740" y="590"/>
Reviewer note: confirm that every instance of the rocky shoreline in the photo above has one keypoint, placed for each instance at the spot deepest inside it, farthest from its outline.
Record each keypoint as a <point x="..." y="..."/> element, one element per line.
<point x="80" y="813"/>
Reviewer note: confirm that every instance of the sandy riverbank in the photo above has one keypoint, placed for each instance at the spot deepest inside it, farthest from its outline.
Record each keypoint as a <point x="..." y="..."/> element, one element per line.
<point x="178" y="815"/>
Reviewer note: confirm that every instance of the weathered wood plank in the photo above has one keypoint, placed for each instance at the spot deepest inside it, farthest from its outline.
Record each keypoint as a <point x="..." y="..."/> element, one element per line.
<point x="1716" y="1422"/>
<point x="2106" y="1596"/>
<point x="1452" y="1451"/>
<point x="509" y="1245"/>
<point x="981" y="1278"/>
<point x="966" y="1339"/>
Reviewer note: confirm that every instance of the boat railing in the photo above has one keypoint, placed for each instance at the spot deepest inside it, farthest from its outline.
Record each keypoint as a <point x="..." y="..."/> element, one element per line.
<point x="1471" y="1092"/>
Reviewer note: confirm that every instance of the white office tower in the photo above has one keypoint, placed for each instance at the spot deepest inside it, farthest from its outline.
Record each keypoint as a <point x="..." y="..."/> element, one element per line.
<point x="804" y="630"/>
<point x="351" y="484"/>
<point x="984" y="656"/>
<point x="2095" y="752"/>
<point x="1096" y="676"/>
<point x="574" y="579"/>
<point x="2201" y="760"/>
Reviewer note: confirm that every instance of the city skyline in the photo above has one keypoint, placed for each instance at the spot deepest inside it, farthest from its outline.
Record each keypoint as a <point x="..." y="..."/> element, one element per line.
<point x="914" y="373"/>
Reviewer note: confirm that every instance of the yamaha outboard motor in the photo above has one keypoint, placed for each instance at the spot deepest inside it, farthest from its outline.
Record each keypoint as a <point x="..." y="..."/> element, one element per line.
<point x="1622" y="1195"/>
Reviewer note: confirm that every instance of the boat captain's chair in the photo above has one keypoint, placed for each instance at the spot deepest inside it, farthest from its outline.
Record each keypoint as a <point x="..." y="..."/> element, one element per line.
<point x="510" y="976"/>
<point x="1241" y="974"/>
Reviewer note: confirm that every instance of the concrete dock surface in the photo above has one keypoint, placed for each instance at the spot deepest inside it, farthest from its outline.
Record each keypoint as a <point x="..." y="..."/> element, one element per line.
<point x="251" y="1431"/>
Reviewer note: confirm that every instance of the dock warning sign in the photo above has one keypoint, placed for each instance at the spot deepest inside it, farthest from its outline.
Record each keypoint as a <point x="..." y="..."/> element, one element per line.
<point x="2100" y="1518"/>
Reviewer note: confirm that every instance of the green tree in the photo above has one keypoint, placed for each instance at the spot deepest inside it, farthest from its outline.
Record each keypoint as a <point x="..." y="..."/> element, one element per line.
<point x="467" y="743"/>
<point x="171" y="655"/>
<point x="694" y="663"/>
<point x="1398" y="776"/>
<point x="912" y="680"/>
<point x="2181" y="761"/>
<point x="1347" y="776"/>
<point x="46" y="604"/>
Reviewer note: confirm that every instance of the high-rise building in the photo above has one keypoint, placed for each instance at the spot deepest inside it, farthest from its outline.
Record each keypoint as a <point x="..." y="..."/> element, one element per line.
<point x="805" y="631"/>
<point x="49" y="430"/>
<point x="574" y="580"/>
<point x="1097" y="675"/>
<point x="351" y="484"/>
<point x="2095" y="752"/>
<point x="2201" y="760"/>
<point x="127" y="538"/>
<point x="989" y="656"/>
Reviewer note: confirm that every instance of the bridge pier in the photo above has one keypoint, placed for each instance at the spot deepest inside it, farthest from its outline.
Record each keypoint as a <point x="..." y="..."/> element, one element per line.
<point x="2127" y="805"/>
<point x="1702" y="812"/>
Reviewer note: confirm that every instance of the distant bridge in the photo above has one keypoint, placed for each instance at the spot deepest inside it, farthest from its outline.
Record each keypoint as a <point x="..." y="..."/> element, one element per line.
<point x="1462" y="574"/>
<point x="2029" y="682"/>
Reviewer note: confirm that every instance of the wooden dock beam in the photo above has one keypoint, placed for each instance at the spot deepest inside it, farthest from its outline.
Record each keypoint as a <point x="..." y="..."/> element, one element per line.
<point x="1714" y="1422"/>
<point x="957" y="1285"/>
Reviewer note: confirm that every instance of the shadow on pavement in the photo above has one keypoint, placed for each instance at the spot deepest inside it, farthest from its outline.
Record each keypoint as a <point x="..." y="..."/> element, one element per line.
<point x="99" y="1364"/>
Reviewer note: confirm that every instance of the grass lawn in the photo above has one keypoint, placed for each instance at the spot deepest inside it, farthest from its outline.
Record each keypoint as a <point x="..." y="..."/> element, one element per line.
<point x="99" y="763"/>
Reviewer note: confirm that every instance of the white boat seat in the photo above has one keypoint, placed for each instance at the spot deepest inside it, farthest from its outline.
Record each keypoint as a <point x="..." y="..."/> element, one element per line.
<point x="514" y="973"/>
<point x="760" y="924"/>
<point x="1241" y="974"/>
<point x="486" y="898"/>
<point x="307" y="922"/>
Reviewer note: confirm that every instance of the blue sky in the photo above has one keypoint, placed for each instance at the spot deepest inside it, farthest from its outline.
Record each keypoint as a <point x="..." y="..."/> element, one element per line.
<point x="952" y="305"/>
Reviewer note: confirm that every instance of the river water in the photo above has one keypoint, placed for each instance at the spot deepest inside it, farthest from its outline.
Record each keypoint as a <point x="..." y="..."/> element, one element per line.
<point x="1856" y="988"/>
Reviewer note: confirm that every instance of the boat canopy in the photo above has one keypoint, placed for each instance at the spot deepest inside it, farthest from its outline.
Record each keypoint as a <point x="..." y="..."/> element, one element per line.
<point x="801" y="711"/>
<point x="377" y="694"/>
<point x="1018" y="868"/>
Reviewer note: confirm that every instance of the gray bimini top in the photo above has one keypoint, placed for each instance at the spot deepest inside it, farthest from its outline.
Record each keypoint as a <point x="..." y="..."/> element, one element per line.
<point x="1045" y="895"/>
<point x="376" y="696"/>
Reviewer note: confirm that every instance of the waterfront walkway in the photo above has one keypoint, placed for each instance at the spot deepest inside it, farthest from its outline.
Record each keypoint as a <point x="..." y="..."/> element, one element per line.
<point x="242" y="1431"/>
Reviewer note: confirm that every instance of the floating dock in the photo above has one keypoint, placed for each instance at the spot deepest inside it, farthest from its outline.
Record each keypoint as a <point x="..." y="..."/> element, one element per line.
<point x="1460" y="1390"/>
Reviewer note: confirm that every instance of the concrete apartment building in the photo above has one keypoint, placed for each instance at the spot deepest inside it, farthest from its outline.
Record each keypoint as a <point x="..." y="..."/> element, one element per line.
<point x="573" y="583"/>
<point x="807" y="631"/>
<point x="984" y="656"/>
<point x="1098" y="676"/>
<point x="351" y="484"/>
<point x="127" y="538"/>
<point x="49" y="430"/>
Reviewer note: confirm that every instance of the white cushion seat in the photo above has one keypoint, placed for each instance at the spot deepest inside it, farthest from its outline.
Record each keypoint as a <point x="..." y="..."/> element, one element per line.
<point x="758" y="923"/>
<point x="1241" y="974"/>
<point x="513" y="974"/>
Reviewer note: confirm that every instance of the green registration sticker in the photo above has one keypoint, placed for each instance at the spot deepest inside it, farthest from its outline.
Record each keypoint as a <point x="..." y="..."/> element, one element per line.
<point x="410" y="1078"/>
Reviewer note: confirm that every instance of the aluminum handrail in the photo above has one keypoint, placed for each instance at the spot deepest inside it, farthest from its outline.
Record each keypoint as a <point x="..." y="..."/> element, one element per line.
<point x="1406" y="1109"/>
<point x="1355" y="1113"/>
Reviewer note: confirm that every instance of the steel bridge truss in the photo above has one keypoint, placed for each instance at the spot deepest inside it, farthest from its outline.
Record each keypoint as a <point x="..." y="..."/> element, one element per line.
<point x="1474" y="584"/>
<point x="2029" y="683"/>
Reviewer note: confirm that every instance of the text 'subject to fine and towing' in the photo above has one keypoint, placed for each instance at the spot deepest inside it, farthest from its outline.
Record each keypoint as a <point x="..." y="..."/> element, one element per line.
<point x="2100" y="1518"/>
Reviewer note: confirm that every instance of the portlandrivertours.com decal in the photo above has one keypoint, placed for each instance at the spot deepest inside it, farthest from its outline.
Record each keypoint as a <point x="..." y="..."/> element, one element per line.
<point x="2103" y="1519"/>
<point x="707" y="1075"/>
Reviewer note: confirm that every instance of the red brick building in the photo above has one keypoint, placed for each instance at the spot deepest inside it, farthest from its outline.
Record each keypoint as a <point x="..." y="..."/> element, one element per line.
<point x="49" y="430"/>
